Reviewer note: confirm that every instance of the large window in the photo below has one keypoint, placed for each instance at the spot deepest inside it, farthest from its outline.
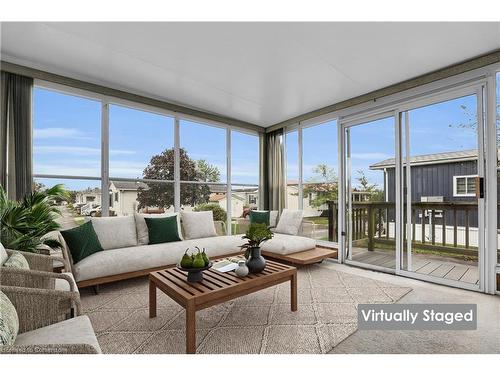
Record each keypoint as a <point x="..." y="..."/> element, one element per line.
<point x="66" y="134"/>
<point x="67" y="142"/>
<point x="311" y="164"/>
<point x="141" y="146"/>
<point x="244" y="178"/>
<point x="145" y="174"/>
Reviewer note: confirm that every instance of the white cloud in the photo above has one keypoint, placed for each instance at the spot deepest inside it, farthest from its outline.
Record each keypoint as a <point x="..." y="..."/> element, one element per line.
<point x="67" y="133"/>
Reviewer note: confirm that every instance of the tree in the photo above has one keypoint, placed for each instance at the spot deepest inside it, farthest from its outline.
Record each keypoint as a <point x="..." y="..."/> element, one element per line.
<point x="323" y="186"/>
<point x="471" y="120"/>
<point x="376" y="194"/>
<point x="161" y="167"/>
<point x="207" y="171"/>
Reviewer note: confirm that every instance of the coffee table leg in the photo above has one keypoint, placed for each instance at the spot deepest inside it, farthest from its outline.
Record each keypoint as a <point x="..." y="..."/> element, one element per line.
<point x="293" y="292"/>
<point x="190" y="329"/>
<point x="152" y="299"/>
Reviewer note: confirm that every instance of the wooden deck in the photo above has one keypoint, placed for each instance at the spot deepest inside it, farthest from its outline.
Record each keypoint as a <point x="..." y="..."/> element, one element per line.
<point x="433" y="265"/>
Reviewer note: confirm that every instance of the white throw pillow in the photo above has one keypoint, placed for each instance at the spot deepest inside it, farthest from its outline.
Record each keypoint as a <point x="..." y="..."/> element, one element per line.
<point x="142" y="228"/>
<point x="198" y="224"/>
<point x="115" y="232"/>
<point x="3" y="254"/>
<point x="290" y="222"/>
<point x="9" y="322"/>
<point x="273" y="218"/>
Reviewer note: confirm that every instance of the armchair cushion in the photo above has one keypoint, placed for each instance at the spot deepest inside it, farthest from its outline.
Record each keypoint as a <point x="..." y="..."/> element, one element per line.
<point x="17" y="260"/>
<point x="82" y="241"/>
<point x="72" y="331"/>
<point x="3" y="254"/>
<point x="9" y="321"/>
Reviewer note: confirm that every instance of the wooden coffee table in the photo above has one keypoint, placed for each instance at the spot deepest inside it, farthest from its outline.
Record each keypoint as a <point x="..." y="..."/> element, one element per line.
<point x="216" y="287"/>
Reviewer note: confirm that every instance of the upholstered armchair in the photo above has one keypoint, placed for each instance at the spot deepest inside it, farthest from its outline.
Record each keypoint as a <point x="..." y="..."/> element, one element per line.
<point x="43" y="327"/>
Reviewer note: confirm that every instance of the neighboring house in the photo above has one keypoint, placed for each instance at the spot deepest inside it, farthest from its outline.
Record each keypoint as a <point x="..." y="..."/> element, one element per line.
<point x="89" y="196"/>
<point x="123" y="196"/>
<point x="240" y="198"/>
<point x="443" y="177"/>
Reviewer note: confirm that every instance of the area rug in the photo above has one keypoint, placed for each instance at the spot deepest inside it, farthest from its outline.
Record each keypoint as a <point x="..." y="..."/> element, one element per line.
<point x="258" y="323"/>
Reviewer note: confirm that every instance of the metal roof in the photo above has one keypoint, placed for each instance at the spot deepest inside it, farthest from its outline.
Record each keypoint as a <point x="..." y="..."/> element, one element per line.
<point x="129" y="185"/>
<point x="440" y="158"/>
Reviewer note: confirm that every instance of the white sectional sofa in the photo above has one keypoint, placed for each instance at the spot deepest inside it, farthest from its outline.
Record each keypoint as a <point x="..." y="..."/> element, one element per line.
<point x="126" y="255"/>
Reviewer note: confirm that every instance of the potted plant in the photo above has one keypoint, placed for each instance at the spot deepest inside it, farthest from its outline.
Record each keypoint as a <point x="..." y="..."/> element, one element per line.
<point x="25" y="223"/>
<point x="256" y="235"/>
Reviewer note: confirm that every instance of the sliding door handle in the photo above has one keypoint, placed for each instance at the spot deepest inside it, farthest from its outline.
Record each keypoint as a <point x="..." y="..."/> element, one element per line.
<point x="479" y="187"/>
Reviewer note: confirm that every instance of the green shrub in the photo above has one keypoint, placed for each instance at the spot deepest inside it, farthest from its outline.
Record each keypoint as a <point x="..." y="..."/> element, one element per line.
<point x="219" y="213"/>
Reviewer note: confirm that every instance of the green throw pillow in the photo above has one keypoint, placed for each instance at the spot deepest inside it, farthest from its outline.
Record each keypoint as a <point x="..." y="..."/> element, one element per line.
<point x="17" y="260"/>
<point x="82" y="241"/>
<point x="9" y="321"/>
<point x="162" y="230"/>
<point x="259" y="217"/>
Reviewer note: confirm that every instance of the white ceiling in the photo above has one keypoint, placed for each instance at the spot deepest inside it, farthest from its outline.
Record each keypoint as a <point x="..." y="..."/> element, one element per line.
<point x="262" y="73"/>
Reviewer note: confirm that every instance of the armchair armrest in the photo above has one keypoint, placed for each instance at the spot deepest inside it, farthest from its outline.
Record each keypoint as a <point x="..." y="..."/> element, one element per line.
<point x="37" y="262"/>
<point x="38" y="308"/>
<point x="49" y="349"/>
<point x="33" y="279"/>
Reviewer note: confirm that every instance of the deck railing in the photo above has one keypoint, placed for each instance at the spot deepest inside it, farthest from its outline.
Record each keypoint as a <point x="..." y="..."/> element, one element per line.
<point x="439" y="226"/>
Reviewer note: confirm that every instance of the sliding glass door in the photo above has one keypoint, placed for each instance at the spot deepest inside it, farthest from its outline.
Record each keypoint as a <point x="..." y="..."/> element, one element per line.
<point x="369" y="193"/>
<point x="443" y="170"/>
<point x="413" y="189"/>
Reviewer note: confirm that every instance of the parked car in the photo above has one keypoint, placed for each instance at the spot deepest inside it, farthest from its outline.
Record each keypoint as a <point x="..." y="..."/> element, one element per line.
<point x="90" y="209"/>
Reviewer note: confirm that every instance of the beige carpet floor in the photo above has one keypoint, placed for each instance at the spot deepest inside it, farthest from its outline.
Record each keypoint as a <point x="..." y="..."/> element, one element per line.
<point x="258" y="323"/>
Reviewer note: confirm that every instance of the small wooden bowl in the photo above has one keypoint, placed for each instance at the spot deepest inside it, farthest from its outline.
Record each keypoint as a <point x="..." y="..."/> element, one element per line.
<point x="195" y="275"/>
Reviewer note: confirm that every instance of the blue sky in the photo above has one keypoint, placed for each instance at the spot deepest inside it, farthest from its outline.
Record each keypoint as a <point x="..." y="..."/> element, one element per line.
<point x="430" y="132"/>
<point x="67" y="140"/>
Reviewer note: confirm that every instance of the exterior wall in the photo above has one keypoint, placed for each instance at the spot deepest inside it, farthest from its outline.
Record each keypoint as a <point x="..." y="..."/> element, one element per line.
<point x="236" y="206"/>
<point x="436" y="180"/>
<point x="433" y="180"/>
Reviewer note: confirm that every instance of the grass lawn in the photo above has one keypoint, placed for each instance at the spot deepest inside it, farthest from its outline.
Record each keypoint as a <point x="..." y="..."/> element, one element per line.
<point x="317" y="220"/>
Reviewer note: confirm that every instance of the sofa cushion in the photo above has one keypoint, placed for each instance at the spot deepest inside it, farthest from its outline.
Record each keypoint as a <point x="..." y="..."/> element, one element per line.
<point x="285" y="244"/>
<point x="17" y="260"/>
<point x="9" y="321"/>
<point x="162" y="229"/>
<point x="115" y="232"/>
<point x="113" y="262"/>
<point x="142" y="228"/>
<point x="289" y="222"/>
<point x="198" y="224"/>
<point x="72" y="331"/>
<point x="3" y="254"/>
<point x="82" y="241"/>
<point x="273" y="218"/>
<point x="259" y="217"/>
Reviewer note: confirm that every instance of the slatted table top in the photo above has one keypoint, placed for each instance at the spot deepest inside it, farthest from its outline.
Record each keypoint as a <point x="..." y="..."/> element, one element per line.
<point x="218" y="285"/>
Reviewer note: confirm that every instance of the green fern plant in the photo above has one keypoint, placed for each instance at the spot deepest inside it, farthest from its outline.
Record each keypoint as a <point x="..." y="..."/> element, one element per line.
<point x="25" y="223"/>
<point x="256" y="235"/>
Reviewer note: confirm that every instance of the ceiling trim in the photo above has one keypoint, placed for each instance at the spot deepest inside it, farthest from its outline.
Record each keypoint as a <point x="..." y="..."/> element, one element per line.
<point x="446" y="72"/>
<point x="108" y="91"/>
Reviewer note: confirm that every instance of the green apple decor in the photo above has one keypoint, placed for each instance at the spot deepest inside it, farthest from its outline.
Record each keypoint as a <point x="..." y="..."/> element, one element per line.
<point x="194" y="264"/>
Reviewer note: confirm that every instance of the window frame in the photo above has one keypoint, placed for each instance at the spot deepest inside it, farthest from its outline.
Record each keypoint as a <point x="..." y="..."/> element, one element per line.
<point x="455" y="186"/>
<point x="104" y="176"/>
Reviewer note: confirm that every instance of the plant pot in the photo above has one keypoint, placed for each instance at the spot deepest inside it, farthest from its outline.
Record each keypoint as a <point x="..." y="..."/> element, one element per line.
<point x="255" y="262"/>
